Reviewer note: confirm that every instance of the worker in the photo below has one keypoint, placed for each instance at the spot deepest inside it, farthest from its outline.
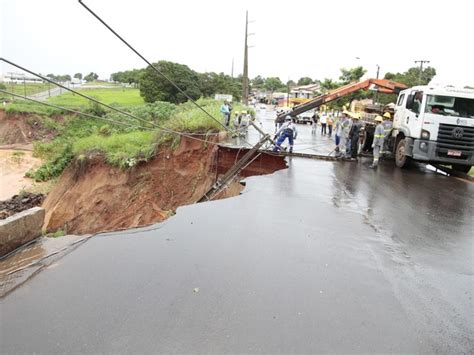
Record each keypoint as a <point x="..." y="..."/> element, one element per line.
<point x="354" y="135"/>
<point x="387" y="123"/>
<point x="345" y="127"/>
<point x="324" y="122"/>
<point x="244" y="123"/>
<point x="237" y="119"/>
<point x="314" y="122"/>
<point x="337" y="132"/>
<point x="280" y="118"/>
<point x="330" y="124"/>
<point x="287" y="130"/>
<point x="379" y="137"/>
<point x="225" y="113"/>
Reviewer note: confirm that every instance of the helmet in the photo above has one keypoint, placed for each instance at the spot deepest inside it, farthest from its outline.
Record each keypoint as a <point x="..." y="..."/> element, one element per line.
<point x="288" y="118"/>
<point x="387" y="115"/>
<point x="244" y="112"/>
<point x="378" y="119"/>
<point x="237" y="112"/>
<point x="355" y="116"/>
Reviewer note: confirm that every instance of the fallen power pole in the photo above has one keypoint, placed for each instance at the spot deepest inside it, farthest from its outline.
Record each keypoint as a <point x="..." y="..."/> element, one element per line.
<point x="230" y="175"/>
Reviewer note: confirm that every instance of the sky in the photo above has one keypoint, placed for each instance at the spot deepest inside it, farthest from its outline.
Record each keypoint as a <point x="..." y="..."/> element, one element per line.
<point x="290" y="39"/>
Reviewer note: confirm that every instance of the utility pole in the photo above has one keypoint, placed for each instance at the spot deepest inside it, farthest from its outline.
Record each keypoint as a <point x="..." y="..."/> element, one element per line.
<point x="232" y="71"/>
<point x="375" y="93"/>
<point x="245" y="77"/>
<point x="421" y="61"/>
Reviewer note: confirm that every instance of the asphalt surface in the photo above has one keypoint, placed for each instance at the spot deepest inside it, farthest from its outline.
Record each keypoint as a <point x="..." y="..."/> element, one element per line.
<point x="323" y="257"/>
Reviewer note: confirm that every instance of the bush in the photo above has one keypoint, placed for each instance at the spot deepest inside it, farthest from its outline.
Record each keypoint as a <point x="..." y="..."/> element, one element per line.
<point x="54" y="166"/>
<point x="95" y="109"/>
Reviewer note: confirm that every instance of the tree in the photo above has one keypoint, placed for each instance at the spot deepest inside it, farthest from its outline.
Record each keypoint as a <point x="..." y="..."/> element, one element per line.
<point x="213" y="83"/>
<point x="91" y="76"/>
<point x="154" y="87"/>
<point x="128" y="76"/>
<point x="273" y="83"/>
<point x="78" y="76"/>
<point x="351" y="75"/>
<point x="305" y="81"/>
<point x="328" y="84"/>
<point x="412" y="76"/>
<point x="258" y="82"/>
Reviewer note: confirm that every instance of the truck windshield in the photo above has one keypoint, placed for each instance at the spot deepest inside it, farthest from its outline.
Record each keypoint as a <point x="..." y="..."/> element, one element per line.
<point x="452" y="106"/>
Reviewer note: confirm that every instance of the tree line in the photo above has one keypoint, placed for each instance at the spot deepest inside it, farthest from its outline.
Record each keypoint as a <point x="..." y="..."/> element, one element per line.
<point x="154" y="87"/>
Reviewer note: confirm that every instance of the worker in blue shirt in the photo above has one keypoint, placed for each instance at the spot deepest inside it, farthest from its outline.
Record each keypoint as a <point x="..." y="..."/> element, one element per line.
<point x="287" y="130"/>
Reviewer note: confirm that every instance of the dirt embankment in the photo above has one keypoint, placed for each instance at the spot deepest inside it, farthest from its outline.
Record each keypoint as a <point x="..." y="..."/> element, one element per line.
<point x="22" y="128"/>
<point x="92" y="196"/>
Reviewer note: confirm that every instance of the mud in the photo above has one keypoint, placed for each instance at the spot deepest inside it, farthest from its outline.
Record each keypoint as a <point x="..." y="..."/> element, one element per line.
<point x="14" y="163"/>
<point x="20" y="203"/>
<point x="91" y="196"/>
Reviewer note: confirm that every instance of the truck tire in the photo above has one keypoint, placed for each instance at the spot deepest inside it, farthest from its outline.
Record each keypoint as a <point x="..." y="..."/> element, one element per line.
<point x="401" y="160"/>
<point x="461" y="168"/>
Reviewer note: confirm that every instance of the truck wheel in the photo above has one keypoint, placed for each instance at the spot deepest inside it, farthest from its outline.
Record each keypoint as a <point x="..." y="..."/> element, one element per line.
<point x="401" y="160"/>
<point x="461" y="168"/>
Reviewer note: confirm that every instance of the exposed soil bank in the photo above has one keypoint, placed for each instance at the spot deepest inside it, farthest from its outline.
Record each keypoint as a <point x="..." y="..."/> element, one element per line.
<point x="92" y="196"/>
<point x="21" y="128"/>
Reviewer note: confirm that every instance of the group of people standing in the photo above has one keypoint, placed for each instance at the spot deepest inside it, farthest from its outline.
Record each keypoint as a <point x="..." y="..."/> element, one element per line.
<point x="348" y="128"/>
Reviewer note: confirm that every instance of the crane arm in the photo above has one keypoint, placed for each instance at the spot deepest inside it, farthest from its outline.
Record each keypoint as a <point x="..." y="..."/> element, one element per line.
<point x="381" y="85"/>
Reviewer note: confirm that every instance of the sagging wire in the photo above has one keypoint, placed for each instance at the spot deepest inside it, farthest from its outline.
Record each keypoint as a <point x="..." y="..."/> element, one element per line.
<point x="73" y="111"/>
<point x="106" y="105"/>
<point x="152" y="66"/>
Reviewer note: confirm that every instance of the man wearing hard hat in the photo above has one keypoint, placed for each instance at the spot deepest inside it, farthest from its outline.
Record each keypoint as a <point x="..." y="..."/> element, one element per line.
<point x="344" y="132"/>
<point x="379" y="137"/>
<point x="387" y="123"/>
<point x="287" y="130"/>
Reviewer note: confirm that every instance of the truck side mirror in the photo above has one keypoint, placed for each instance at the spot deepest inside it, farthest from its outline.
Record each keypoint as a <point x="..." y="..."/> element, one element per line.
<point x="410" y="100"/>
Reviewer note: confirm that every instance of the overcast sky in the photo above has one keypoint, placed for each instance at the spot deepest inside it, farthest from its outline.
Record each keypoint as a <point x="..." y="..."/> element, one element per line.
<point x="292" y="38"/>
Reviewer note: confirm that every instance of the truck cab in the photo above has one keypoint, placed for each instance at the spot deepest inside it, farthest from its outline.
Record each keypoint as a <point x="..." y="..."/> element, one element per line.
<point x="434" y="125"/>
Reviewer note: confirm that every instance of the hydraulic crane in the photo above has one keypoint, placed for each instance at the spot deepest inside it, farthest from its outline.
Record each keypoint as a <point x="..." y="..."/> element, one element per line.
<point x="381" y="85"/>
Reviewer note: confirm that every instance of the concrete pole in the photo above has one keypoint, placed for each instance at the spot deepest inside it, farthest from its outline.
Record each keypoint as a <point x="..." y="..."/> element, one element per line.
<point x="245" y="78"/>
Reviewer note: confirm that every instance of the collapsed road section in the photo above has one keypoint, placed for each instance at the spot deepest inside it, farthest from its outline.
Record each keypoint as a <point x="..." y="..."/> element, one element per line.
<point x="91" y="196"/>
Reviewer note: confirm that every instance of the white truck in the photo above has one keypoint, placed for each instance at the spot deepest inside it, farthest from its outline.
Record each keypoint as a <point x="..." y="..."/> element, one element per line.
<point x="434" y="124"/>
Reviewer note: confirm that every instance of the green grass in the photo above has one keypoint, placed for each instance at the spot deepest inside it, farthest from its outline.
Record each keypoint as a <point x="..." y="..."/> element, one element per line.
<point x="120" y="96"/>
<point x="57" y="234"/>
<point x="22" y="106"/>
<point x="124" y="150"/>
<point x="471" y="172"/>
<point x="101" y="83"/>
<point x="121" y="146"/>
<point x="31" y="88"/>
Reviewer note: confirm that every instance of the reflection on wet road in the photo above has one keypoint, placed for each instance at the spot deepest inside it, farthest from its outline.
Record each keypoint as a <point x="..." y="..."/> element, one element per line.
<point x="320" y="257"/>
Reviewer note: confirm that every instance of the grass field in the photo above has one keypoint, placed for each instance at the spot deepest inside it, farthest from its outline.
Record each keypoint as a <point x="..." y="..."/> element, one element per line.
<point x="30" y="88"/>
<point x="120" y="96"/>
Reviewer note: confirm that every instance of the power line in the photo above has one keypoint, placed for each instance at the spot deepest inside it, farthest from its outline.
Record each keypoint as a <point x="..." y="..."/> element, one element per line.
<point x="73" y="111"/>
<point x="152" y="66"/>
<point x="76" y="92"/>
<point x="190" y="136"/>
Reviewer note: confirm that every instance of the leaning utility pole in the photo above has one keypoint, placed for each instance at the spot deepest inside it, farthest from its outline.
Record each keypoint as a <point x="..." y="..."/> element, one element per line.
<point x="421" y="61"/>
<point x="245" y="77"/>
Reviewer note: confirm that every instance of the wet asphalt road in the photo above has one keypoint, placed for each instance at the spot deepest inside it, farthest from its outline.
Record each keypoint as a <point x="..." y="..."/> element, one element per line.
<point x="321" y="257"/>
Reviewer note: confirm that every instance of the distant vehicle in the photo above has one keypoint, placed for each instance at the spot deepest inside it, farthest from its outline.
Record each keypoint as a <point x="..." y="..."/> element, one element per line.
<point x="434" y="125"/>
<point x="305" y="117"/>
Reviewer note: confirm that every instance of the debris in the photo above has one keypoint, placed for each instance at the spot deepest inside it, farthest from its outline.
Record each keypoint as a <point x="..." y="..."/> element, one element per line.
<point x="20" y="203"/>
<point x="196" y="289"/>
